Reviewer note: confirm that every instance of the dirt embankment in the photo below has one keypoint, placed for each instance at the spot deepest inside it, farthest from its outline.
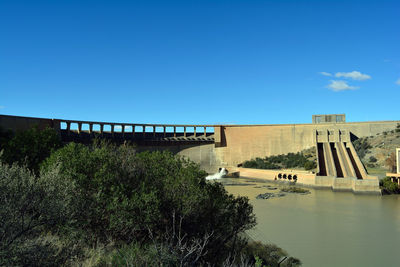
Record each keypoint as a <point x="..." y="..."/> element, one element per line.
<point x="375" y="150"/>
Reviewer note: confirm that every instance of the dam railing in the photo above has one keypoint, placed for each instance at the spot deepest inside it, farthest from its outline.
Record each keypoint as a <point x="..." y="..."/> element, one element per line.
<point x="162" y="132"/>
<point x="83" y="131"/>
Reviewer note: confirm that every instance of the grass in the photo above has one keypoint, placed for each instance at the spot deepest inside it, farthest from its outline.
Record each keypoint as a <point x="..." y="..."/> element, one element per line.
<point x="377" y="171"/>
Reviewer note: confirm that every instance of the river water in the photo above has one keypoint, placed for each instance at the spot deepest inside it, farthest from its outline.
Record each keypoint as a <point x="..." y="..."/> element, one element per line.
<point x="326" y="228"/>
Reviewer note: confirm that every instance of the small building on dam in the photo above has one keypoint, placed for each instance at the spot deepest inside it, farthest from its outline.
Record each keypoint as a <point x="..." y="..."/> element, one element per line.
<point x="215" y="146"/>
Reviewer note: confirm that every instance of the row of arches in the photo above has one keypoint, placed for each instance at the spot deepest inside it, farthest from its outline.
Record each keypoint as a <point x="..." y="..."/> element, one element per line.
<point x="287" y="176"/>
<point x="156" y="129"/>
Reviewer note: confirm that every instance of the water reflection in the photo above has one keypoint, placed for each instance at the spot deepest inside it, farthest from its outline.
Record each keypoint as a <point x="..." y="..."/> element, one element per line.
<point x="326" y="228"/>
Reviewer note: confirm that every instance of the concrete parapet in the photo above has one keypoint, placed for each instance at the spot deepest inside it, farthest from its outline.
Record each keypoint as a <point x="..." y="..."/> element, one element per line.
<point x="74" y="130"/>
<point x="17" y="123"/>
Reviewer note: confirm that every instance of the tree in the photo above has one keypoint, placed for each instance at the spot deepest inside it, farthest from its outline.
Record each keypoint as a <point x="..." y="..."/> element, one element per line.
<point x="31" y="147"/>
<point x="122" y="196"/>
<point x="30" y="205"/>
<point x="390" y="162"/>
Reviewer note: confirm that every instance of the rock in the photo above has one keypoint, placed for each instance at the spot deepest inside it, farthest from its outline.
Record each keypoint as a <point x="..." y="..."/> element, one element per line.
<point x="265" y="196"/>
<point x="269" y="195"/>
<point x="295" y="190"/>
<point x="233" y="175"/>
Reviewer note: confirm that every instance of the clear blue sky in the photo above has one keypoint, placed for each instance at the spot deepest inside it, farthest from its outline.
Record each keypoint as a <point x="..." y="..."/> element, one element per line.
<point x="241" y="62"/>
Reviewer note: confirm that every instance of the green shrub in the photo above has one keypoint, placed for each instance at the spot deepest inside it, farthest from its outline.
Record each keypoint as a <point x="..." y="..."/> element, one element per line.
<point x="290" y="160"/>
<point x="372" y="159"/>
<point x="309" y="165"/>
<point x="362" y="147"/>
<point x="269" y="254"/>
<point x="370" y="165"/>
<point x="123" y="195"/>
<point x="134" y="254"/>
<point x="29" y="206"/>
<point x="5" y="137"/>
<point x="30" y="147"/>
<point x="293" y="189"/>
<point x="259" y="163"/>
<point x="389" y="187"/>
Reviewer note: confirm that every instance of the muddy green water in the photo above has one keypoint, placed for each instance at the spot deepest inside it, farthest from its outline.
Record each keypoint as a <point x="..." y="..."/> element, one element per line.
<point x="326" y="228"/>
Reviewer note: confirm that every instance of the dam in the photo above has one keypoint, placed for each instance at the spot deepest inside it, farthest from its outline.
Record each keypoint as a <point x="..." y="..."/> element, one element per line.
<point x="215" y="146"/>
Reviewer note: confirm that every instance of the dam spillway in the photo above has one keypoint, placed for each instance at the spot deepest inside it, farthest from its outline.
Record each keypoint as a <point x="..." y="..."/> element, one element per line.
<point x="338" y="164"/>
<point x="336" y="156"/>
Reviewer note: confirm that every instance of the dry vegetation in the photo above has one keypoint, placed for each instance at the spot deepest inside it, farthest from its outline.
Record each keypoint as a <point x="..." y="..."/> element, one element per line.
<point x="378" y="152"/>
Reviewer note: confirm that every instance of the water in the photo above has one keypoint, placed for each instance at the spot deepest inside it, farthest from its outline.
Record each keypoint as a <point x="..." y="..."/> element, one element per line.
<point x="326" y="228"/>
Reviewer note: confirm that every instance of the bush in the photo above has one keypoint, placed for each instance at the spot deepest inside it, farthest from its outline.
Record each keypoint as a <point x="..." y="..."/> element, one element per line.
<point x="290" y="160"/>
<point x="30" y="205"/>
<point x="259" y="163"/>
<point x="362" y="147"/>
<point x="390" y="162"/>
<point x="309" y="165"/>
<point x="123" y="196"/>
<point x="150" y="208"/>
<point x="5" y="137"/>
<point x="269" y="254"/>
<point x="30" y="147"/>
<point x="372" y="159"/>
<point x="166" y="254"/>
<point x="370" y="165"/>
<point x="389" y="187"/>
<point x="293" y="189"/>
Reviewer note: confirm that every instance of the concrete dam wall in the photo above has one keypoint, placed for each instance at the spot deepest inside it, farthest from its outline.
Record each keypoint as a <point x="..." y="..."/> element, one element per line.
<point x="212" y="146"/>
<point x="203" y="154"/>
<point x="195" y="142"/>
<point x="238" y="143"/>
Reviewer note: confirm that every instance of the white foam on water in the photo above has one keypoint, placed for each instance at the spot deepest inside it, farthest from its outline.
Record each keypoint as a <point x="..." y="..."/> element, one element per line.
<point x="217" y="175"/>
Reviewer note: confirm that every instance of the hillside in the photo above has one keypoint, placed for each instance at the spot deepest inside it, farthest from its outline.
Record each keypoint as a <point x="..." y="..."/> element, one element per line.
<point x="374" y="150"/>
<point x="305" y="159"/>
